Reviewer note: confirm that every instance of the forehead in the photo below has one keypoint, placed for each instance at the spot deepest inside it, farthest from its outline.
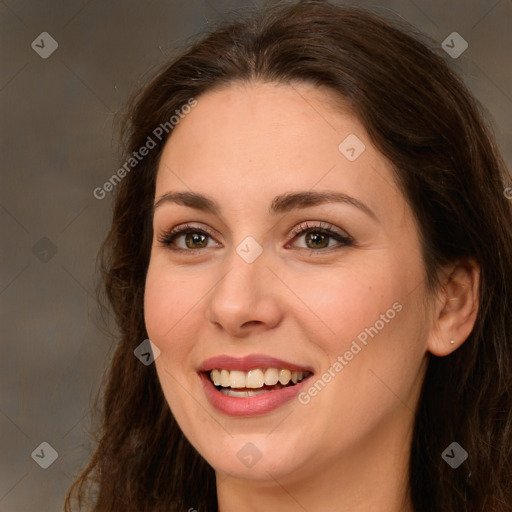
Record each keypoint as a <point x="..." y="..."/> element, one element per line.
<point x="255" y="140"/>
<point x="249" y="116"/>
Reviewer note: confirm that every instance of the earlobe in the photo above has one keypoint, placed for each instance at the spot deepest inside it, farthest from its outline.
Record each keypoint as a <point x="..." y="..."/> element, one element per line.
<point x="456" y="309"/>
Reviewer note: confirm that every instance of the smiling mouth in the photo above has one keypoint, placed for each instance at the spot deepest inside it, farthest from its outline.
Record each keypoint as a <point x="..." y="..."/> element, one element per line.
<point x="236" y="383"/>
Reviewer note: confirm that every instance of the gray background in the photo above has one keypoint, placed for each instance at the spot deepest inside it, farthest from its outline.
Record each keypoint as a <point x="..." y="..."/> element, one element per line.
<point x="57" y="119"/>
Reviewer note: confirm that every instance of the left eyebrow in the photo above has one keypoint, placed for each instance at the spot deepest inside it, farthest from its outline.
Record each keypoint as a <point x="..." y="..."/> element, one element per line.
<point x="281" y="204"/>
<point x="286" y="202"/>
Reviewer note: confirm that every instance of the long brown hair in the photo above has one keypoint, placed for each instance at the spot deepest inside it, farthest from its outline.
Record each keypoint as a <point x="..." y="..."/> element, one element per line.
<point x="420" y="115"/>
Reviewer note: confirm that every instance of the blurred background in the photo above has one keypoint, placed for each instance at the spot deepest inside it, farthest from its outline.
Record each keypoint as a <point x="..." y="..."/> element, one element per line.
<point x="67" y="67"/>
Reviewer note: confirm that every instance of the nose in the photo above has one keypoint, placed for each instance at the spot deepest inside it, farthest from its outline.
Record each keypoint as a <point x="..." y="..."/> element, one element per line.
<point x="246" y="299"/>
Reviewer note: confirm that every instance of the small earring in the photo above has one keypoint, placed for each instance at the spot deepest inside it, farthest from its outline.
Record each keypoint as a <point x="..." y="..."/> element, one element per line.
<point x="452" y="342"/>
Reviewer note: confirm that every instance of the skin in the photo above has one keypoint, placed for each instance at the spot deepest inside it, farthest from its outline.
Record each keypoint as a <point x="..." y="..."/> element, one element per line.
<point x="348" y="447"/>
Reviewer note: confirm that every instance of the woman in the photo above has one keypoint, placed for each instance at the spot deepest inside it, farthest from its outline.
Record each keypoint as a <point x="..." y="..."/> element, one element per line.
<point x="315" y="237"/>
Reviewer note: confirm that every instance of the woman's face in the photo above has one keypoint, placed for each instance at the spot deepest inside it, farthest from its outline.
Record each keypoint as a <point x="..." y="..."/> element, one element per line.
<point x="272" y="280"/>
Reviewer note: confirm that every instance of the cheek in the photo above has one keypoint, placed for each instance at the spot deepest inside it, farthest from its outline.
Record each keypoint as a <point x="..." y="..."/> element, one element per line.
<point x="373" y="320"/>
<point x="169" y="318"/>
<point x="345" y="301"/>
<point x="378" y="347"/>
<point x="168" y="308"/>
<point x="158" y="305"/>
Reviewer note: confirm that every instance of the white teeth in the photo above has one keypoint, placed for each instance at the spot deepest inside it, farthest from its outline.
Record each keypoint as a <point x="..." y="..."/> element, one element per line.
<point x="215" y="376"/>
<point x="271" y="376"/>
<point x="285" y="376"/>
<point x="224" y="378"/>
<point x="256" y="378"/>
<point x="237" y="379"/>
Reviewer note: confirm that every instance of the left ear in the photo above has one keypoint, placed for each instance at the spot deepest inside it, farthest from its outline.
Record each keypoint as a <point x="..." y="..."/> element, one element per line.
<point x="456" y="308"/>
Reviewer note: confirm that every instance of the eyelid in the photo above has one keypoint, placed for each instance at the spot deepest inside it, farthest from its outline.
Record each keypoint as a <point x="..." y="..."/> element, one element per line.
<point x="321" y="226"/>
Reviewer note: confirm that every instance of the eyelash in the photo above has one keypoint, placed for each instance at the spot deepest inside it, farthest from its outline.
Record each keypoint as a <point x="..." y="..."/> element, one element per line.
<point x="167" y="239"/>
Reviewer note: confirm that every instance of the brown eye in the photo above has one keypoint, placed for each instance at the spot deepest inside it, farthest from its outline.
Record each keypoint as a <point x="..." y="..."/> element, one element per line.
<point x="319" y="238"/>
<point x="193" y="239"/>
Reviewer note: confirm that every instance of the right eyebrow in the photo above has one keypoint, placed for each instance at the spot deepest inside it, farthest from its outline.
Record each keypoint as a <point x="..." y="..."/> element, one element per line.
<point x="190" y="199"/>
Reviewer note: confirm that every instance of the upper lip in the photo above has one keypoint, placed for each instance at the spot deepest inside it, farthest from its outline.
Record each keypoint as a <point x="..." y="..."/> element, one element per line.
<point x="250" y="362"/>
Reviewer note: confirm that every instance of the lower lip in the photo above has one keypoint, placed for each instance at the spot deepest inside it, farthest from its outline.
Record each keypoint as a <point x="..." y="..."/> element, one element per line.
<point x="249" y="406"/>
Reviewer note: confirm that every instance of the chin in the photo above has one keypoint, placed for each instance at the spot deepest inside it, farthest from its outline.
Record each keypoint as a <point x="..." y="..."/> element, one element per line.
<point x="258" y="457"/>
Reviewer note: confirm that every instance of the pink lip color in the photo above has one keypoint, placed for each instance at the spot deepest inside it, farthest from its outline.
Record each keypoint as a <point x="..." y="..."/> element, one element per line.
<point x="249" y="406"/>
